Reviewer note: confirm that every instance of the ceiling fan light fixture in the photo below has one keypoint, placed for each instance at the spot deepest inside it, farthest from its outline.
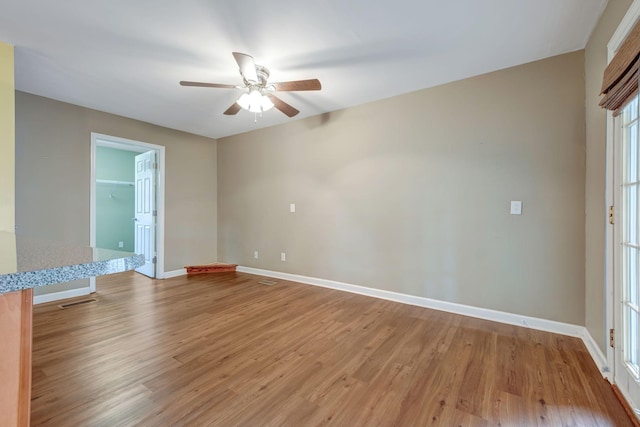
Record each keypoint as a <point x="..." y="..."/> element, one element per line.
<point x="266" y="103"/>
<point x="255" y="101"/>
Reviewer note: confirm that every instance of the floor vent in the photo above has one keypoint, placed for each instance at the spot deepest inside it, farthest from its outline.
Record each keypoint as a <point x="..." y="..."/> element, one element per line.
<point x="74" y="303"/>
<point x="267" y="282"/>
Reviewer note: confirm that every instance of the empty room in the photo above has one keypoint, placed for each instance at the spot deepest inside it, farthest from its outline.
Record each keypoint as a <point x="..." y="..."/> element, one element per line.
<point x="413" y="213"/>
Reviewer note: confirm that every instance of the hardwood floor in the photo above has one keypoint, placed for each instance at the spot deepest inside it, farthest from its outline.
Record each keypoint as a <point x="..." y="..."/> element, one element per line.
<point x="224" y="350"/>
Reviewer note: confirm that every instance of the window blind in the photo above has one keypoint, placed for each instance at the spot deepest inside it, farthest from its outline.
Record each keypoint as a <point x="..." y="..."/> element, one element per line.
<point x="620" y="80"/>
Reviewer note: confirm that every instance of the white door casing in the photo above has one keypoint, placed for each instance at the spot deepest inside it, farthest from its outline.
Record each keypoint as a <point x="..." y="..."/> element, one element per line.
<point x="145" y="211"/>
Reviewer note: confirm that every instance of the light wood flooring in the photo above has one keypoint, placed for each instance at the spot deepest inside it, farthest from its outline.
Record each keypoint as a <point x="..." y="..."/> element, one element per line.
<point x="223" y="350"/>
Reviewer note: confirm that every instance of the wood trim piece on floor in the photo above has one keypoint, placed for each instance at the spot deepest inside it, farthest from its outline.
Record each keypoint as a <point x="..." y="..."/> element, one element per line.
<point x="627" y="408"/>
<point x="465" y="310"/>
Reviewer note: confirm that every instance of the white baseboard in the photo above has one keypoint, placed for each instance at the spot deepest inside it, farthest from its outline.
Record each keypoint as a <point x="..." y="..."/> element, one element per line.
<point x="57" y="296"/>
<point x="451" y="307"/>
<point x="174" y="273"/>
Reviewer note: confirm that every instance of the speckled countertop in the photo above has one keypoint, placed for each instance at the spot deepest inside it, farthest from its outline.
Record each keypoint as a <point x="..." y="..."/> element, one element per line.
<point x="28" y="263"/>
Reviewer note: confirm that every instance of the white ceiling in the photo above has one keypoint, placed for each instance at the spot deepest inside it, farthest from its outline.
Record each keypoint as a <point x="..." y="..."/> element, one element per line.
<point x="127" y="56"/>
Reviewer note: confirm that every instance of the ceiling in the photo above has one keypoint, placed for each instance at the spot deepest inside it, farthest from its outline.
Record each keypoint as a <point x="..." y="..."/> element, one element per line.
<point x="126" y="57"/>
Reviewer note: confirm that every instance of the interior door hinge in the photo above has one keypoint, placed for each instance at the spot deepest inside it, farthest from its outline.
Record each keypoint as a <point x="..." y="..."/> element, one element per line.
<point x="155" y="260"/>
<point x="155" y="213"/>
<point x="612" y="338"/>
<point x="612" y="212"/>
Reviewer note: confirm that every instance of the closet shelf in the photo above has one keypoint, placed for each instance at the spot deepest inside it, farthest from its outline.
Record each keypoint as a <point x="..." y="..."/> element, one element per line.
<point x="112" y="182"/>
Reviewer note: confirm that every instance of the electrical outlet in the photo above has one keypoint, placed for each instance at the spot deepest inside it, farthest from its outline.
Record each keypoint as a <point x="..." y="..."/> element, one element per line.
<point x="255" y="254"/>
<point x="121" y="244"/>
<point x="283" y="256"/>
<point x="292" y="207"/>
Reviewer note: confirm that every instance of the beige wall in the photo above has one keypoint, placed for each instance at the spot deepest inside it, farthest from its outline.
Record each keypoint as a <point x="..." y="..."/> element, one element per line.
<point x="595" y="206"/>
<point x="411" y="194"/>
<point x="53" y="149"/>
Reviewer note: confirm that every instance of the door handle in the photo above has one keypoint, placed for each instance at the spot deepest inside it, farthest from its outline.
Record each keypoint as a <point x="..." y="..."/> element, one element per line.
<point x="135" y="219"/>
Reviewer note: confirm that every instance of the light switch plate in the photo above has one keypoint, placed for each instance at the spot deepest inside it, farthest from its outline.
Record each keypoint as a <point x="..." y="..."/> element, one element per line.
<point x="516" y="207"/>
<point x="292" y="207"/>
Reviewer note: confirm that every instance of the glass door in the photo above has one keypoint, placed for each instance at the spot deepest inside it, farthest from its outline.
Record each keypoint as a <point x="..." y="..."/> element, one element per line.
<point x="627" y="255"/>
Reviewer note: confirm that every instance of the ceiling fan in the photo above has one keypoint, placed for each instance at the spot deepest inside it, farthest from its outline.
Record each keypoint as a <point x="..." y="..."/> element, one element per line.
<point x="259" y="96"/>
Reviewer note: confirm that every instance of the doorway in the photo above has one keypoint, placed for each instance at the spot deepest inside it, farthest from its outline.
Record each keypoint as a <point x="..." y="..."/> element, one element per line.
<point x="123" y="190"/>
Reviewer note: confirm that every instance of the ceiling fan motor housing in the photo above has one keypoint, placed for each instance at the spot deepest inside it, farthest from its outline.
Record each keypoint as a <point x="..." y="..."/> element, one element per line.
<point x="263" y="76"/>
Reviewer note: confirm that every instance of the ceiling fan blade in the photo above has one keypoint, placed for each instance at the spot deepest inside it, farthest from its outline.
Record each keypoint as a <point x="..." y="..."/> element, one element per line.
<point x="247" y="66"/>
<point x="233" y="110"/>
<point x="200" y="84"/>
<point x="282" y="106"/>
<point x="298" y="85"/>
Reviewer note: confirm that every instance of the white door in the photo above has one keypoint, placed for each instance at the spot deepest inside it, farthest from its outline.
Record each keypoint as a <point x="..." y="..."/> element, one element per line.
<point x="145" y="211"/>
<point x="627" y="253"/>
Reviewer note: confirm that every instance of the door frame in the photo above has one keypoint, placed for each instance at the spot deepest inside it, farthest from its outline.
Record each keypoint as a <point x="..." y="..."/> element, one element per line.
<point x="624" y="28"/>
<point x="101" y="140"/>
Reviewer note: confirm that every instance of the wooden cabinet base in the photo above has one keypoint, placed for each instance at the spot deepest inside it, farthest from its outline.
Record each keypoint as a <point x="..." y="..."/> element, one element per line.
<point x="15" y="357"/>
